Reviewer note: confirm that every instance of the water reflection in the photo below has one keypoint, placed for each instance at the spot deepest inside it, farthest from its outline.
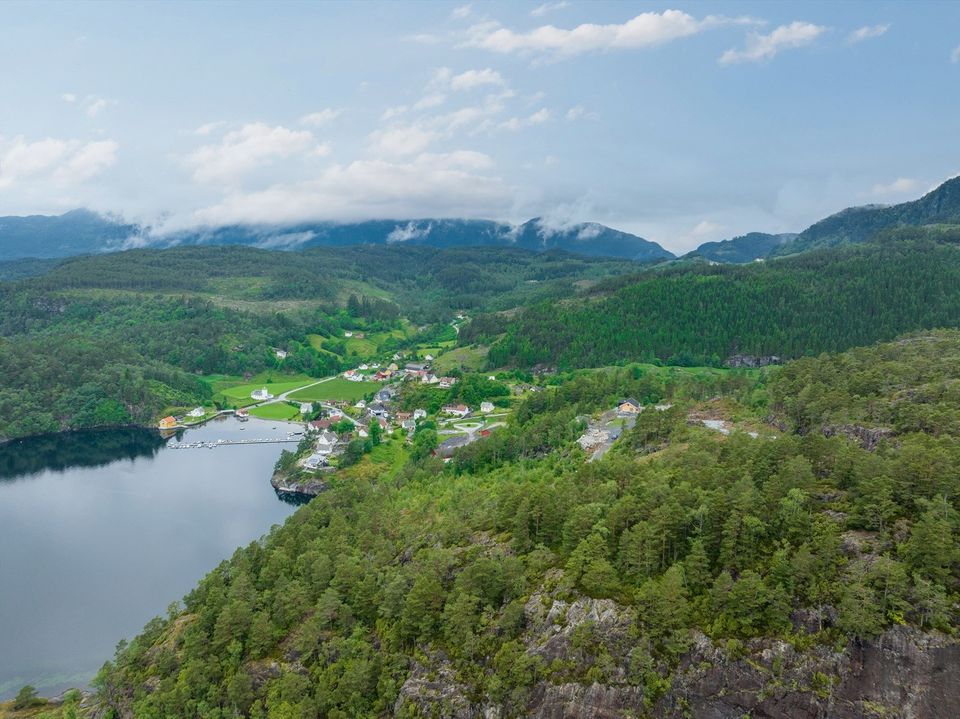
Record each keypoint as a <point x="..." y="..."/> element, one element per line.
<point x="100" y="531"/>
<point x="59" y="452"/>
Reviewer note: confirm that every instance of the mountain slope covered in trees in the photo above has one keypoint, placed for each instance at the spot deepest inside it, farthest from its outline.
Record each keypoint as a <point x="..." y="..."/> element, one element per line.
<point x="859" y="224"/>
<point x="114" y="339"/>
<point x="519" y="580"/>
<point x="746" y="248"/>
<point x="826" y="300"/>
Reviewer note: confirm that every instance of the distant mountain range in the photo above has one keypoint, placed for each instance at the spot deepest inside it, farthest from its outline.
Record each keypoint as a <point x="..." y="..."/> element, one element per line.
<point x="746" y="248"/>
<point x="84" y="232"/>
<point x="859" y="224"/>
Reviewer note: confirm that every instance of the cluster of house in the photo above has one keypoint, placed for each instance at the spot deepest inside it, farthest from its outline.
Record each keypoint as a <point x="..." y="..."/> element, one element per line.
<point x="379" y="410"/>
<point x="420" y="371"/>
<point x="261" y="394"/>
<point x="602" y="433"/>
<point x="372" y="372"/>
<point x="172" y="422"/>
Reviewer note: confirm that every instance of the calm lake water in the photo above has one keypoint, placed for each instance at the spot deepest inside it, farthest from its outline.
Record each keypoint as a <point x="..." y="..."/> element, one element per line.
<point x="100" y="531"/>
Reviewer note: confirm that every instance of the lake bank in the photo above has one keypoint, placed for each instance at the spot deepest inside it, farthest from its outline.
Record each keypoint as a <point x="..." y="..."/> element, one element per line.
<point x="100" y="530"/>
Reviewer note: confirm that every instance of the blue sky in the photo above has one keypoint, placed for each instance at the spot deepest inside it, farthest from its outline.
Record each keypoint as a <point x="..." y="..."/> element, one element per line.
<point x="682" y="122"/>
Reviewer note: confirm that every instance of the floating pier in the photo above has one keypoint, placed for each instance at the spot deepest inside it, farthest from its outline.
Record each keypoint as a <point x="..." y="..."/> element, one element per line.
<point x="228" y="442"/>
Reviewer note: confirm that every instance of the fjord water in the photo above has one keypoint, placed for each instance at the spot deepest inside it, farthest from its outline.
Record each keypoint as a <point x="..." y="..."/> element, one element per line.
<point x="100" y="531"/>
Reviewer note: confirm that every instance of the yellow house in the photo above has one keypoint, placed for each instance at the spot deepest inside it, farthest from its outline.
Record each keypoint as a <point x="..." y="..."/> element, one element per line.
<point x="167" y="423"/>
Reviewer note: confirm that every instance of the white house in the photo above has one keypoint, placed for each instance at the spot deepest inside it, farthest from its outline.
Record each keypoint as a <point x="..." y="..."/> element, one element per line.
<point x="492" y="378"/>
<point x="361" y="404"/>
<point x="429" y="379"/>
<point x="261" y="394"/>
<point x="281" y="354"/>
<point x="363" y="366"/>
<point x="326" y="442"/>
<point x="306" y="407"/>
<point x="314" y="461"/>
<point x="409" y="425"/>
<point x="486" y="407"/>
<point x="196" y="412"/>
<point x="447" y="382"/>
<point x="457" y="410"/>
<point x="419" y="414"/>
<point x="348" y="334"/>
<point x="428" y="358"/>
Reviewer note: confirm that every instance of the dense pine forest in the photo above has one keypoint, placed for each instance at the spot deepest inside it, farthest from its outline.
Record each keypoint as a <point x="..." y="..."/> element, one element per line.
<point x="822" y="301"/>
<point x="518" y="575"/>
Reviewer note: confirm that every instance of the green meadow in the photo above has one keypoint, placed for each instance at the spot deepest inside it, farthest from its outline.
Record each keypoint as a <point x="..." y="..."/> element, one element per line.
<point x="336" y="389"/>
<point x="276" y="410"/>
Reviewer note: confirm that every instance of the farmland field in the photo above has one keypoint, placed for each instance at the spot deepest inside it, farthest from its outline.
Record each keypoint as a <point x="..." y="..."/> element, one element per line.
<point x="241" y="392"/>
<point x="277" y="410"/>
<point x="470" y="358"/>
<point x="337" y="388"/>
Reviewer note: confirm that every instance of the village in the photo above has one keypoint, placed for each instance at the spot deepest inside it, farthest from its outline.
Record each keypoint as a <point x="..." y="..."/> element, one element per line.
<point x="364" y="405"/>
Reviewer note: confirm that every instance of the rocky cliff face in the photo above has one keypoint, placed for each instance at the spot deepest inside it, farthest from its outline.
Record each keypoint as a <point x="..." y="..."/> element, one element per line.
<point x="903" y="674"/>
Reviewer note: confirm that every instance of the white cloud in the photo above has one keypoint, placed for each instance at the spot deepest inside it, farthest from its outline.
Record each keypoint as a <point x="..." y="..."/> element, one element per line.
<point x="65" y="162"/>
<point x="645" y="30"/>
<point x="866" y="32"/>
<point x="461" y="12"/>
<point x="431" y="100"/>
<point x="900" y="186"/>
<point x="286" y="240"/>
<point x="25" y="159"/>
<point x="476" y="78"/>
<point x="410" y="231"/>
<point x="444" y="79"/>
<point x="765" y="47"/>
<point x="89" y="161"/>
<point x="392" y="112"/>
<point x="242" y="150"/>
<point x="548" y="7"/>
<point x="407" y="140"/>
<point x="68" y="97"/>
<point x="95" y="105"/>
<point x="579" y="111"/>
<point x="432" y="185"/>
<point x="321" y="117"/>
<point x="208" y="128"/>
<point x="518" y="123"/>
<point x="955" y="55"/>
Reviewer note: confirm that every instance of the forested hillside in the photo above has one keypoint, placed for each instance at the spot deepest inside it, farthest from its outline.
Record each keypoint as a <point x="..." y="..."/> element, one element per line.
<point x="821" y="301"/>
<point x="114" y="339"/>
<point x="738" y="250"/>
<point x="521" y="580"/>
<point x="860" y="224"/>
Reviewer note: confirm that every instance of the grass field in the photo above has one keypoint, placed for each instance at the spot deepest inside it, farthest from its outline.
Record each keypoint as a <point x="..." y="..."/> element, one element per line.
<point x="337" y="388"/>
<point x="316" y="341"/>
<point x="276" y="383"/>
<point x="362" y="348"/>
<point x="470" y="358"/>
<point x="277" y="410"/>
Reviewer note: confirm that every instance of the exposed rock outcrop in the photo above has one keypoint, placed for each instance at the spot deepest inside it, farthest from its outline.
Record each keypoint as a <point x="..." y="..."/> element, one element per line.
<point x="866" y="437"/>
<point x="903" y="674"/>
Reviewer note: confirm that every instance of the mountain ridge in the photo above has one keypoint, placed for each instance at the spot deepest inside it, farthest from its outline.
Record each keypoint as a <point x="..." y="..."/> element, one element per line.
<point x="82" y="231"/>
<point x="85" y="232"/>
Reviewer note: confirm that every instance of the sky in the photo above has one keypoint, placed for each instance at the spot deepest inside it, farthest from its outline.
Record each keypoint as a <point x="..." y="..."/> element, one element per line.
<point x="681" y="122"/>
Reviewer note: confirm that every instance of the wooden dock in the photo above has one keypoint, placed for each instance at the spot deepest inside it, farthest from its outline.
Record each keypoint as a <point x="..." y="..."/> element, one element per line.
<point x="229" y="442"/>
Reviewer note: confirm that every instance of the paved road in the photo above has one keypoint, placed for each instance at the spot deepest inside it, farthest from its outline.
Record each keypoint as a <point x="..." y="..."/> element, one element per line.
<point x="283" y="397"/>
